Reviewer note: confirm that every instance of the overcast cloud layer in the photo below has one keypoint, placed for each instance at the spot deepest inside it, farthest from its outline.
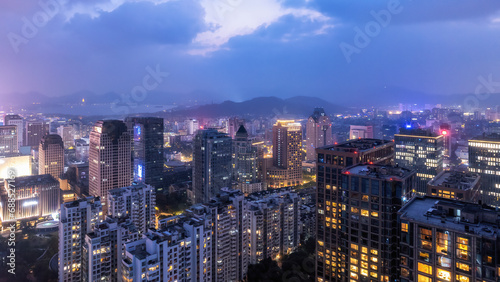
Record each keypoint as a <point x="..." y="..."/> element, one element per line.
<point x="240" y="49"/>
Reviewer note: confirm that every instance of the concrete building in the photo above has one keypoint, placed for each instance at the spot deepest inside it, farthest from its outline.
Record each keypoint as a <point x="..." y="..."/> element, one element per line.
<point x="369" y="237"/>
<point x="360" y="132"/>
<point x="109" y="158"/>
<point x="34" y="131"/>
<point x="318" y="133"/>
<point x="76" y="220"/>
<point x="51" y="156"/>
<point x="330" y="163"/>
<point x="287" y="155"/>
<point x="8" y="140"/>
<point x="448" y="240"/>
<point x="18" y="122"/>
<point x="456" y="185"/>
<point x="136" y="202"/>
<point x="245" y="168"/>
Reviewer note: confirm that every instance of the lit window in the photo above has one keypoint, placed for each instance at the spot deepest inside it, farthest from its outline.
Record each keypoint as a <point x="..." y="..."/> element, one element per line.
<point x="461" y="278"/>
<point x="404" y="227"/>
<point x="365" y="213"/>
<point x="422" y="278"/>
<point x="443" y="274"/>
<point x="427" y="269"/>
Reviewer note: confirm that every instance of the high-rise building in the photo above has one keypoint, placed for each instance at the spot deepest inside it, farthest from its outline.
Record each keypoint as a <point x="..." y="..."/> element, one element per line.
<point x="233" y="125"/>
<point x="212" y="158"/>
<point x="484" y="153"/>
<point x="245" y="168"/>
<point x="287" y="155"/>
<point x="102" y="249"/>
<point x="330" y="162"/>
<point x="456" y="185"/>
<point x="76" y="220"/>
<point x="147" y="149"/>
<point x="109" y="158"/>
<point x="34" y="131"/>
<point x="179" y="250"/>
<point x="8" y="140"/>
<point x="360" y="132"/>
<point x="318" y="133"/>
<point x="51" y="156"/>
<point x="34" y="197"/>
<point x="19" y="123"/>
<point x="422" y="151"/>
<point x="192" y="126"/>
<point x="448" y="240"/>
<point x="273" y="224"/>
<point x="67" y="134"/>
<point x="136" y="202"/>
<point x="445" y="130"/>
<point x="369" y="231"/>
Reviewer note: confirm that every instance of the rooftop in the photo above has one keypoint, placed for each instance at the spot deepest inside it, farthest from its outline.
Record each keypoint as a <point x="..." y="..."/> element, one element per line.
<point x="386" y="172"/>
<point x="358" y="144"/>
<point x="455" y="179"/>
<point x="417" y="132"/>
<point x="32" y="180"/>
<point x="493" y="137"/>
<point x="454" y="215"/>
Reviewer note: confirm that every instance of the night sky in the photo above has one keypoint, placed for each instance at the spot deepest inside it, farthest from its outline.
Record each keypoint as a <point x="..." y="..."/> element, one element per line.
<point x="240" y="49"/>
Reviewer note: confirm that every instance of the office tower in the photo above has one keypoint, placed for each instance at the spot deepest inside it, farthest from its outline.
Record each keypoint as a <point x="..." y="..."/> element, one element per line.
<point x="76" y="220"/>
<point x="456" y="185"/>
<point x="369" y="231"/>
<point x="8" y="140"/>
<point x="109" y="158"/>
<point x="318" y="133"/>
<point x="245" y="167"/>
<point x="422" y="151"/>
<point x="230" y="239"/>
<point x="484" y="152"/>
<point x="147" y="149"/>
<point x="19" y="123"/>
<point x="180" y="250"/>
<point x="360" y="132"/>
<point x="82" y="150"/>
<point x="102" y="249"/>
<point x="35" y="196"/>
<point x="212" y="158"/>
<point x="34" y="131"/>
<point x="136" y="202"/>
<point x="67" y="134"/>
<point x="192" y="126"/>
<point x="445" y="130"/>
<point x="330" y="162"/>
<point x="448" y="240"/>
<point x="273" y="224"/>
<point x="51" y="156"/>
<point x="287" y="155"/>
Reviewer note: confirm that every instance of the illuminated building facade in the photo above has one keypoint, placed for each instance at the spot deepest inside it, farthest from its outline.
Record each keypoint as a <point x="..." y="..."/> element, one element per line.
<point x="136" y="202"/>
<point x="273" y="224"/>
<point x="35" y="196"/>
<point x="180" y="250"/>
<point x="212" y="158"/>
<point x="51" y="156"/>
<point x="422" y="151"/>
<point x="484" y="159"/>
<point x="445" y="131"/>
<point x="67" y="134"/>
<point x="456" y="185"/>
<point x="8" y="140"/>
<point x="76" y="220"/>
<point x="331" y="160"/>
<point x="109" y="158"/>
<point x="448" y="240"/>
<point x="318" y="133"/>
<point x="245" y="168"/>
<point x="369" y="239"/>
<point x="147" y="149"/>
<point x="287" y="155"/>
